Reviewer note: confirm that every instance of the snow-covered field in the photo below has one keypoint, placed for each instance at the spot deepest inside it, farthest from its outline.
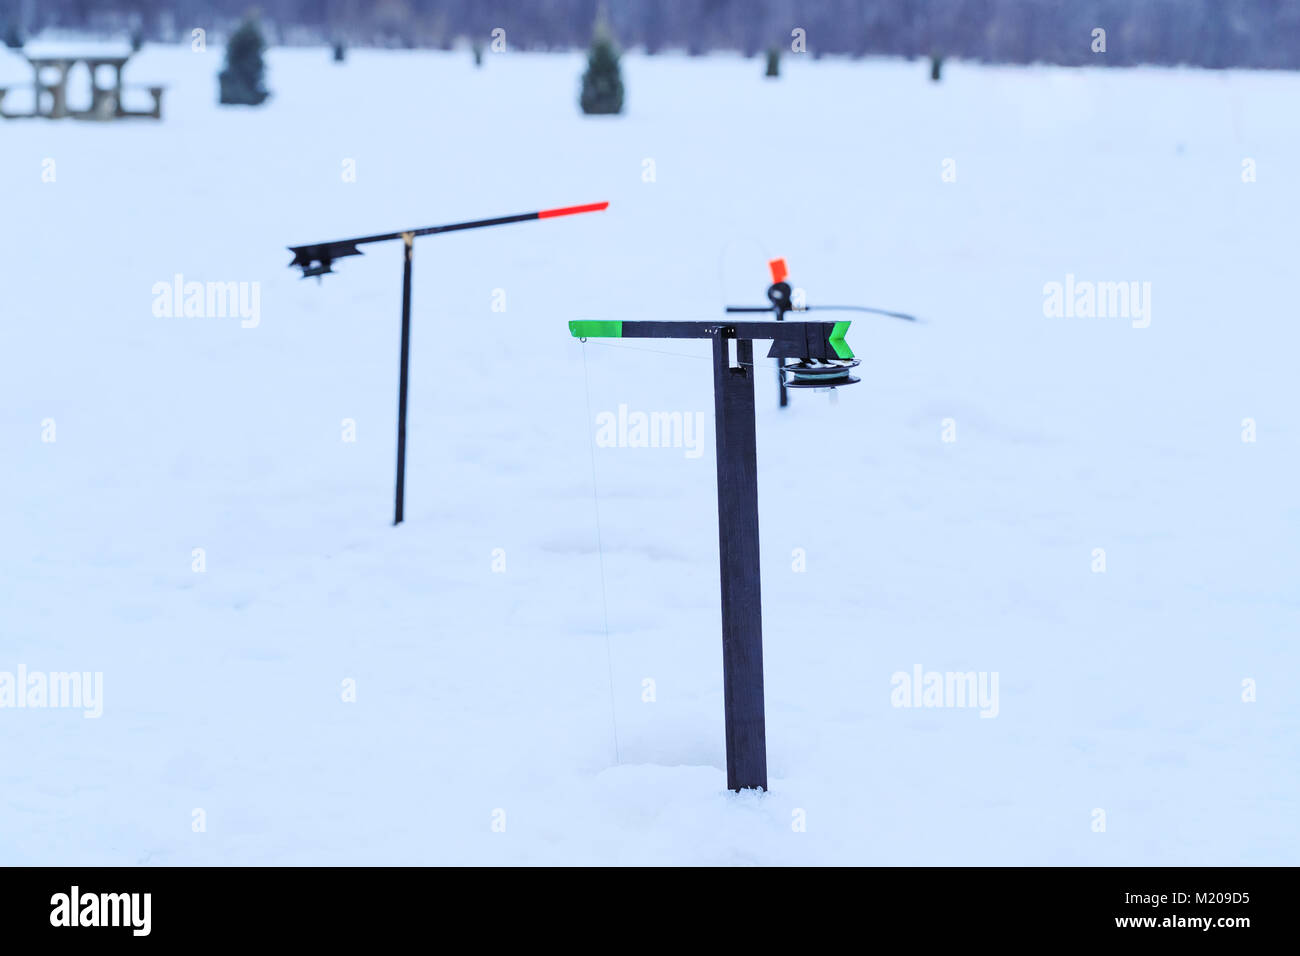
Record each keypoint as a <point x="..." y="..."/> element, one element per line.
<point x="485" y="695"/>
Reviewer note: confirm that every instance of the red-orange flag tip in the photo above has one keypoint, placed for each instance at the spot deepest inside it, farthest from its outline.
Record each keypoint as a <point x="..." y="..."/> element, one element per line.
<point x="778" y="270"/>
<point x="572" y="210"/>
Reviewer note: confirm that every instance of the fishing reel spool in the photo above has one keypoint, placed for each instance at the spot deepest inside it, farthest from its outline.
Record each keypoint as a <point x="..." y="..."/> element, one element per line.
<point x="806" y="372"/>
<point x="819" y="373"/>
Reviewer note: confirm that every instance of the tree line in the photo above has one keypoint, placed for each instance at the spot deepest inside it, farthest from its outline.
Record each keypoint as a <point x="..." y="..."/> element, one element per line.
<point x="1207" y="33"/>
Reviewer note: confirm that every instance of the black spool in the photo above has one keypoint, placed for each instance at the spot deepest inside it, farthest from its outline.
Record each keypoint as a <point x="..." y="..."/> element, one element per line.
<point x="819" y="373"/>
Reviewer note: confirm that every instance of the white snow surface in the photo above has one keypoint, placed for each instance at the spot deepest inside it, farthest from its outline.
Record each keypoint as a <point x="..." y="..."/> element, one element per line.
<point x="480" y="691"/>
<point x="60" y="48"/>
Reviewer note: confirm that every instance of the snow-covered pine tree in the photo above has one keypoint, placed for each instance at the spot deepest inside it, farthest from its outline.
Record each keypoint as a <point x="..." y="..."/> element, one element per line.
<point x="242" y="81"/>
<point x="773" y="62"/>
<point x="602" y="84"/>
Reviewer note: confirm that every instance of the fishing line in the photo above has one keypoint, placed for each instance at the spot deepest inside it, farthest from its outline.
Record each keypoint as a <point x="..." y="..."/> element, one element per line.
<point x="858" y="308"/>
<point x="600" y="552"/>
<point x="722" y="260"/>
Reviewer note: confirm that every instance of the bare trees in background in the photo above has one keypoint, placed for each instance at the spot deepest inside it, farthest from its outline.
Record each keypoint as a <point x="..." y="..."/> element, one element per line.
<point x="1210" y="33"/>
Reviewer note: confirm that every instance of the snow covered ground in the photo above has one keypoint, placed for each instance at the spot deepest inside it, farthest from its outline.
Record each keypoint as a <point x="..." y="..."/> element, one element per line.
<point x="485" y="695"/>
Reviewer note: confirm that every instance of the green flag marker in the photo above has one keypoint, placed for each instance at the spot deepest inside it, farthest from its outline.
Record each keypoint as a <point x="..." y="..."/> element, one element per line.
<point x="837" y="340"/>
<point x="597" y="329"/>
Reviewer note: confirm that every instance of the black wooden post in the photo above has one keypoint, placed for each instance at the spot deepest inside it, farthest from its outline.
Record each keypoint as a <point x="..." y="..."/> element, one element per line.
<point x="742" y="608"/>
<point x="408" y="240"/>
<point x="823" y="360"/>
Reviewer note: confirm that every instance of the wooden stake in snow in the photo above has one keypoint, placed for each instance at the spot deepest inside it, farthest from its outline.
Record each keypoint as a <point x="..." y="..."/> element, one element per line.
<point x="824" y="360"/>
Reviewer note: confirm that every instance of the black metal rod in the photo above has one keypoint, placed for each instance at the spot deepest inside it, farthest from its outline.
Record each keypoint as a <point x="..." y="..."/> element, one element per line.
<point x="402" y="379"/>
<point x="325" y="253"/>
<point x="783" y="399"/>
<point x="451" y="227"/>
<point x="742" y="609"/>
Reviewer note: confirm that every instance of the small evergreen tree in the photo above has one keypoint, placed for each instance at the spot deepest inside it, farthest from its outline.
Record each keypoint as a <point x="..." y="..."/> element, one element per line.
<point x="13" y="36"/>
<point x="242" y="81"/>
<point x="773" y="62"/>
<point x="137" y="40"/>
<point x="478" y="53"/>
<point x="602" y="84"/>
<point x="340" y="51"/>
<point x="936" y="66"/>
